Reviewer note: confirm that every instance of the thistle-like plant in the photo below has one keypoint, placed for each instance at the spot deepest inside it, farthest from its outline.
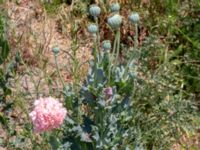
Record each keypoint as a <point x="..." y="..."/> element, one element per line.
<point x="105" y="98"/>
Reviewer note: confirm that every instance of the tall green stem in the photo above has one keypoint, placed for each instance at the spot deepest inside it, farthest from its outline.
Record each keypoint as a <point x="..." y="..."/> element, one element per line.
<point x="118" y="47"/>
<point x="95" y="50"/>
<point x="112" y="55"/>
<point x="96" y="57"/>
<point x="58" y="71"/>
<point x="98" y="35"/>
<point x="136" y="44"/>
<point x="135" y="49"/>
<point x="136" y="36"/>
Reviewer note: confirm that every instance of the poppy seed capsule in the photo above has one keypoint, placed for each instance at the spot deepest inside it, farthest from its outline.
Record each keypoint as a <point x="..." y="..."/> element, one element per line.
<point x="56" y="50"/>
<point x="115" y="21"/>
<point x="134" y="18"/>
<point x="106" y="45"/>
<point x="115" y="7"/>
<point x="92" y="28"/>
<point x="94" y="10"/>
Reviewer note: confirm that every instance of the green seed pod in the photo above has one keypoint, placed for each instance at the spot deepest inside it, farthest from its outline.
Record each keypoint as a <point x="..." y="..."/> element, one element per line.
<point x="56" y="50"/>
<point x="115" y="21"/>
<point x="106" y="45"/>
<point x="115" y="7"/>
<point x="134" y="17"/>
<point x="94" y="10"/>
<point x="93" y="28"/>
